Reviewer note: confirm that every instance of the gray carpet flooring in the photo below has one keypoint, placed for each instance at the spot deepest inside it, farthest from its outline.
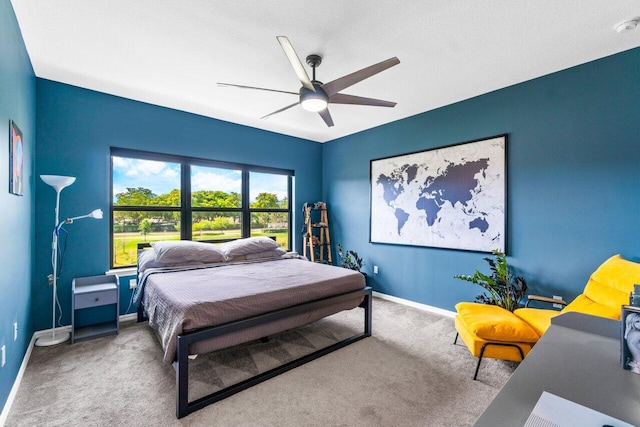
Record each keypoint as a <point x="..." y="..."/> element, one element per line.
<point x="408" y="373"/>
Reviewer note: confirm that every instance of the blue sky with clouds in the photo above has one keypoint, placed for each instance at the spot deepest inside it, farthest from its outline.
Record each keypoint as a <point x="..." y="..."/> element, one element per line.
<point x="162" y="177"/>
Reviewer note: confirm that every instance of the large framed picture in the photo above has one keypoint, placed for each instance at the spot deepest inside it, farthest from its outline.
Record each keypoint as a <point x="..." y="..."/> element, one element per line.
<point x="16" y="184"/>
<point x="450" y="197"/>
<point x="630" y="338"/>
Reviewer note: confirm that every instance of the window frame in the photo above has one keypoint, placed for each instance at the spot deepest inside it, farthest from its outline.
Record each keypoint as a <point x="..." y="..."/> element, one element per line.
<point x="185" y="209"/>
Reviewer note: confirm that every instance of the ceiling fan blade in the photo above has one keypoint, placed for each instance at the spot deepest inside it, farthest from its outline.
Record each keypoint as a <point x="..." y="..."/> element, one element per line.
<point x="337" y="85"/>
<point x="341" y="98"/>
<point x="295" y="62"/>
<point x="326" y="116"/>
<point x="280" y="110"/>
<point x="257" y="88"/>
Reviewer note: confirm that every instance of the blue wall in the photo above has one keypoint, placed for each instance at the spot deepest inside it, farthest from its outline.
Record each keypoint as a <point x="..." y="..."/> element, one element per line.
<point x="17" y="103"/>
<point x="76" y="128"/>
<point x="573" y="181"/>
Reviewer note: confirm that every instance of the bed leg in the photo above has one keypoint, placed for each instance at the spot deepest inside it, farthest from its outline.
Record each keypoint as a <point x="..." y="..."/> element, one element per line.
<point x="182" y="378"/>
<point x="367" y="314"/>
<point x="141" y="316"/>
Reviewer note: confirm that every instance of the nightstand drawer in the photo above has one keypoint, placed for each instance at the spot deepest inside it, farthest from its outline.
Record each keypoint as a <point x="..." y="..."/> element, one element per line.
<point x="95" y="299"/>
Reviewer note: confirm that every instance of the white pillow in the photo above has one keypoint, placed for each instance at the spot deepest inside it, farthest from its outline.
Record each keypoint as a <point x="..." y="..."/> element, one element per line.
<point x="147" y="259"/>
<point x="273" y="253"/>
<point x="186" y="251"/>
<point x="250" y="245"/>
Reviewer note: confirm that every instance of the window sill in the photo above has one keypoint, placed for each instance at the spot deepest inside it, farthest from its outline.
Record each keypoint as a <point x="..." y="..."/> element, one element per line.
<point x="123" y="272"/>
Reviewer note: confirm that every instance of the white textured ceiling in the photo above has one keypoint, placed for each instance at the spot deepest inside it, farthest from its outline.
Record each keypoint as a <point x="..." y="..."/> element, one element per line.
<point x="172" y="52"/>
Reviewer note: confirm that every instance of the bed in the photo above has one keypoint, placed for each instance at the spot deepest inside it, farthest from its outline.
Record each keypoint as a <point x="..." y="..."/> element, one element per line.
<point x="200" y="298"/>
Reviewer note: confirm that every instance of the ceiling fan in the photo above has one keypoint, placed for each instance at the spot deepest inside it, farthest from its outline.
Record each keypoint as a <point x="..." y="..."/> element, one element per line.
<point x="314" y="95"/>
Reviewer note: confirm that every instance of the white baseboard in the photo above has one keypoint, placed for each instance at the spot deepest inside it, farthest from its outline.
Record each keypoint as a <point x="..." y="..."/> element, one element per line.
<point x="16" y="384"/>
<point x="25" y="361"/>
<point x="419" y="306"/>
<point x="129" y="317"/>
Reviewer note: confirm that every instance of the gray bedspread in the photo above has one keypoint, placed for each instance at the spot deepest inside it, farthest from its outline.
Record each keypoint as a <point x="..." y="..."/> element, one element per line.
<point x="190" y="299"/>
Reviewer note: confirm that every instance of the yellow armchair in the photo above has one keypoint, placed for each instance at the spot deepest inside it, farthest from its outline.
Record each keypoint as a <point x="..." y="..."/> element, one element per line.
<point x="491" y="331"/>
<point x="608" y="288"/>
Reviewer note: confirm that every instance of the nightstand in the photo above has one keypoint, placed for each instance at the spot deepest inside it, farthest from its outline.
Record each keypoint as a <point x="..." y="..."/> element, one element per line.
<point x="88" y="293"/>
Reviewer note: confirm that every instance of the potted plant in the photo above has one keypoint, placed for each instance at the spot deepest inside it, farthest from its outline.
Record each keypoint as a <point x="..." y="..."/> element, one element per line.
<point x="349" y="259"/>
<point x="502" y="288"/>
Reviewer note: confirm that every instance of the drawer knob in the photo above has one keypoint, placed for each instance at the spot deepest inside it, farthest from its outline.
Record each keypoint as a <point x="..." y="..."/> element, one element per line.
<point x="97" y="299"/>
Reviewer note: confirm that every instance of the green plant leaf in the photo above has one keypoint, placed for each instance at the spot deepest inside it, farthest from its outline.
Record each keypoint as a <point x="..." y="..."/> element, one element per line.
<point x="501" y="288"/>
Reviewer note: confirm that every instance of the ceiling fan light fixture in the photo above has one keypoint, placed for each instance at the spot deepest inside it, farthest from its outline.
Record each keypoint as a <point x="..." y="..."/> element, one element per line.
<point x="313" y="104"/>
<point x="313" y="101"/>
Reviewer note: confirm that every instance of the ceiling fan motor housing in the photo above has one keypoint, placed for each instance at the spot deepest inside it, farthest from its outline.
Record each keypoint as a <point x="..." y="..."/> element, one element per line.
<point x="314" y="101"/>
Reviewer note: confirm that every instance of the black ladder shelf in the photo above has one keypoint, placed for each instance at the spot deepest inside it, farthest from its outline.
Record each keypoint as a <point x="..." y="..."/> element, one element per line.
<point x="316" y="238"/>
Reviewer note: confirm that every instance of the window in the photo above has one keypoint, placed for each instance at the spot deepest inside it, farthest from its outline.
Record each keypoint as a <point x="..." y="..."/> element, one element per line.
<point x="269" y="206"/>
<point x="160" y="197"/>
<point x="216" y="203"/>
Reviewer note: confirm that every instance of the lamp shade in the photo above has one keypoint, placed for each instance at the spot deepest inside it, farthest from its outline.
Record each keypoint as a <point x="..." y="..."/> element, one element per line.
<point x="58" y="182"/>
<point x="96" y="214"/>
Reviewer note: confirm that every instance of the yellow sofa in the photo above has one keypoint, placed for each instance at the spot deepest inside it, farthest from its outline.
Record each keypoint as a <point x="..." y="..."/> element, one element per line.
<point x="491" y="331"/>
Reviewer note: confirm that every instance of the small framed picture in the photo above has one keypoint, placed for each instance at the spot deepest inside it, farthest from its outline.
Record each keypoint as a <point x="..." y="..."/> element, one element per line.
<point x="15" y="160"/>
<point x="630" y="338"/>
<point x="634" y="298"/>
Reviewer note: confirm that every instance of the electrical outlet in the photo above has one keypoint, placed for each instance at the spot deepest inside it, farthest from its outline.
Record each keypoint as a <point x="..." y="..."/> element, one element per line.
<point x="3" y="357"/>
<point x="557" y="305"/>
<point x="15" y="331"/>
<point x="133" y="283"/>
<point x="375" y="269"/>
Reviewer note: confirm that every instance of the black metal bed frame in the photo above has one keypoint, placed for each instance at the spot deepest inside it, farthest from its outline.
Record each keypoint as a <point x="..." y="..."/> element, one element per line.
<point x="181" y="365"/>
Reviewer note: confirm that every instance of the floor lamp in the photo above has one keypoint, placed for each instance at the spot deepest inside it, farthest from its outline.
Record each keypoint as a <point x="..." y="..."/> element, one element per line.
<point x="59" y="183"/>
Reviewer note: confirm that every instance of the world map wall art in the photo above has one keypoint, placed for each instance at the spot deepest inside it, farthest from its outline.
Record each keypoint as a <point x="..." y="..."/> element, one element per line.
<point x="450" y="197"/>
